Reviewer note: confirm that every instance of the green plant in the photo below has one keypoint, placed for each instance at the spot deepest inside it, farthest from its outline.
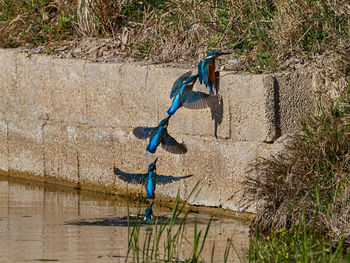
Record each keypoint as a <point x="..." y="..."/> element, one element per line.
<point x="310" y="179"/>
<point x="36" y="21"/>
<point x="295" y="245"/>
<point x="164" y="240"/>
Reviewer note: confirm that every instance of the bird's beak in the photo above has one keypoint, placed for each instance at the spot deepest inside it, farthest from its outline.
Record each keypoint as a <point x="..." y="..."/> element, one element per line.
<point x="224" y="53"/>
<point x="155" y="160"/>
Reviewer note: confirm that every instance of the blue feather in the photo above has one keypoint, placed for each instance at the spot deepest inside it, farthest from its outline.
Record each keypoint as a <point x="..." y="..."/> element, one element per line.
<point x="205" y="72"/>
<point x="154" y="142"/>
<point x="148" y="213"/>
<point x="210" y="88"/>
<point x="175" y="105"/>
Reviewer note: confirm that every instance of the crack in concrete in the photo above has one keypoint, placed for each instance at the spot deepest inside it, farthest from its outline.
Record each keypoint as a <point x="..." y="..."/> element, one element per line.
<point x="78" y="170"/>
<point x="43" y="147"/>
<point x="8" y="145"/>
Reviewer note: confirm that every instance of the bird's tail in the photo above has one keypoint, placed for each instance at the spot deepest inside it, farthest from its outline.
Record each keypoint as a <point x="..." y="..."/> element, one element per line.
<point x="210" y="88"/>
<point x="151" y="149"/>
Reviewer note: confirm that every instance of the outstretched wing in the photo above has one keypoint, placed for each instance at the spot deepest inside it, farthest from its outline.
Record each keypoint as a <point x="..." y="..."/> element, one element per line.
<point x="178" y="83"/>
<point x="144" y="132"/>
<point x="131" y="178"/>
<point x="200" y="100"/>
<point x="171" y="145"/>
<point x="163" y="179"/>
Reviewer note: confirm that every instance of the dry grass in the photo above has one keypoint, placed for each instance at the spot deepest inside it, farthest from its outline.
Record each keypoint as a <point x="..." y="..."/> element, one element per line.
<point x="263" y="34"/>
<point x="34" y="22"/>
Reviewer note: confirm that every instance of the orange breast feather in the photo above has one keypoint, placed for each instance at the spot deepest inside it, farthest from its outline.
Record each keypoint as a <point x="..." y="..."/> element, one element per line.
<point x="211" y="76"/>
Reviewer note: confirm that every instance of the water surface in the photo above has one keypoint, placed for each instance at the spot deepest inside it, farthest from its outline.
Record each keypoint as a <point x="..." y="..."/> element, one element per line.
<point x="44" y="222"/>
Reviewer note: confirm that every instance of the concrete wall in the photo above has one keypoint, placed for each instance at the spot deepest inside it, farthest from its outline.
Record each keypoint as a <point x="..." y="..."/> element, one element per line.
<point x="71" y="121"/>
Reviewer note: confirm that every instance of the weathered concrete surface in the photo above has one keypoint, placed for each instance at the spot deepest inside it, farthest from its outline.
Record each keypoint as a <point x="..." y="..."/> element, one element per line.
<point x="60" y="151"/>
<point x="71" y="121"/>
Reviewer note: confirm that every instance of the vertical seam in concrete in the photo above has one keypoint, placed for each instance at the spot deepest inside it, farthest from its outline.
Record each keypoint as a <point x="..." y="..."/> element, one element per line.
<point x="146" y="76"/>
<point x="277" y="108"/>
<point x="78" y="168"/>
<point x="8" y="145"/>
<point x="113" y="154"/>
<point x="16" y="71"/>
<point x="76" y="146"/>
<point x="230" y="118"/>
<point x="272" y="108"/>
<point x="85" y="90"/>
<point x="51" y="90"/>
<point x="43" y="147"/>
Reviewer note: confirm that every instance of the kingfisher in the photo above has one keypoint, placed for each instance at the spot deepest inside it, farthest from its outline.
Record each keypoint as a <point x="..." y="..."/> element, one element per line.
<point x="159" y="135"/>
<point x="206" y="69"/>
<point x="149" y="179"/>
<point x="185" y="96"/>
<point x="149" y="213"/>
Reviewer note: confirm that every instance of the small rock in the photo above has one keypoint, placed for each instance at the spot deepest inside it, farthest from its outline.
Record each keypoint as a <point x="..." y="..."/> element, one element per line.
<point x="231" y="64"/>
<point x="62" y="48"/>
<point x="77" y="50"/>
<point x="38" y="49"/>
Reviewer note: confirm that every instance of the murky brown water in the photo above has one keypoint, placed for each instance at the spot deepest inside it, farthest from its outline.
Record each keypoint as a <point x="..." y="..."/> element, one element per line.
<point x="49" y="223"/>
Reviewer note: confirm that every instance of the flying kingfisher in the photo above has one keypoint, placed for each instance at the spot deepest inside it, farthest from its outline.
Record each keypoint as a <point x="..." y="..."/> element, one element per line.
<point x="149" y="179"/>
<point x="159" y="135"/>
<point x="185" y="96"/>
<point x="206" y="69"/>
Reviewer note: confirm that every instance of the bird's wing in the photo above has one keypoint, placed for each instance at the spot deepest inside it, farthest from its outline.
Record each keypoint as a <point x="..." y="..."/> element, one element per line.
<point x="171" y="145"/>
<point x="144" y="132"/>
<point x="131" y="178"/>
<point x="200" y="100"/>
<point x="163" y="179"/>
<point x="178" y="83"/>
<point x="200" y="73"/>
<point x="205" y="72"/>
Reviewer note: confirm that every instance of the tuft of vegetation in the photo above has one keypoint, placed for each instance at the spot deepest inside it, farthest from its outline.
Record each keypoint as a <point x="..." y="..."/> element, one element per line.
<point x="263" y="34"/>
<point x="295" y="245"/>
<point x="164" y="240"/>
<point x="35" y="22"/>
<point x="310" y="179"/>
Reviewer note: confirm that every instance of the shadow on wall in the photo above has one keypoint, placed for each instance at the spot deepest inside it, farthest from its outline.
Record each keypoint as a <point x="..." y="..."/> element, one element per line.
<point x="217" y="110"/>
<point x="277" y="108"/>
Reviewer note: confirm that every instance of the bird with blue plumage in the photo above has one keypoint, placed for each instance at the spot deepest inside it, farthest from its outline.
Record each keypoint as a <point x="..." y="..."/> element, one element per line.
<point x="149" y="179"/>
<point x="159" y="135"/>
<point x="206" y="69"/>
<point x="149" y="213"/>
<point x="183" y="95"/>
